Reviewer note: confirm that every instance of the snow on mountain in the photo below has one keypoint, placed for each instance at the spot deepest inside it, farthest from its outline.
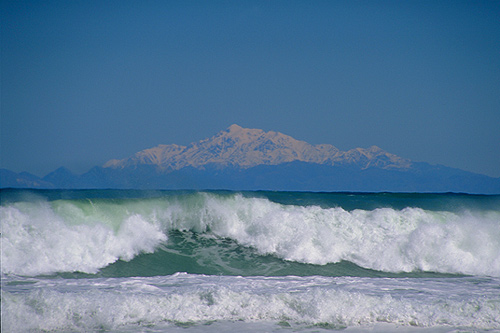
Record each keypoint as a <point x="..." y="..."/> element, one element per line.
<point x="246" y="148"/>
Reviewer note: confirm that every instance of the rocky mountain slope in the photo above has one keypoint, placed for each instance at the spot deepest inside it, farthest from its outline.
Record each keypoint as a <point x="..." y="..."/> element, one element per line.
<point x="246" y="148"/>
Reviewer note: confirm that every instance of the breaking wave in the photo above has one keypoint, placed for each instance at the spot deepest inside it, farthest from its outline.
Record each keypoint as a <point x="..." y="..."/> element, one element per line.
<point x="67" y="235"/>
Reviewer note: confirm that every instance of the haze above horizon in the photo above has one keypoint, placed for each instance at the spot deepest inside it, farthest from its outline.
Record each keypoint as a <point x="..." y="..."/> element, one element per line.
<point x="86" y="82"/>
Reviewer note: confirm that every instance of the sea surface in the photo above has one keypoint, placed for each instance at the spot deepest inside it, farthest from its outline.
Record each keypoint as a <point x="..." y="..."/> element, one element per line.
<point x="220" y="261"/>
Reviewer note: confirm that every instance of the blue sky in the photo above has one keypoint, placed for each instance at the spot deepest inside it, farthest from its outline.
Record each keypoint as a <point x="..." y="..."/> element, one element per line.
<point x="83" y="82"/>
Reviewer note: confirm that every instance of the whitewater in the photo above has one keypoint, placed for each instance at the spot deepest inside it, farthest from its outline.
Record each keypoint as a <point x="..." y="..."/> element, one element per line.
<point x="155" y="261"/>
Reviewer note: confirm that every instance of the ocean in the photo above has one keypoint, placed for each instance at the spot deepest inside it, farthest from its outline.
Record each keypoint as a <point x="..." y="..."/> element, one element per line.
<point x="223" y="261"/>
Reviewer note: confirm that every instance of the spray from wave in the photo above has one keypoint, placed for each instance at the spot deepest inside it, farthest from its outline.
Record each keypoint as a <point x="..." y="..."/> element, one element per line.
<point x="44" y="237"/>
<point x="37" y="240"/>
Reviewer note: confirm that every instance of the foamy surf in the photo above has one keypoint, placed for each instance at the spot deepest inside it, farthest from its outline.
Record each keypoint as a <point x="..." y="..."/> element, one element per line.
<point x="183" y="300"/>
<point x="127" y="261"/>
<point x="37" y="240"/>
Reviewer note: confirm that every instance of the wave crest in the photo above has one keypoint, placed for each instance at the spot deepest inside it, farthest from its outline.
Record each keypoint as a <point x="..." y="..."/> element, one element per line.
<point x="411" y="239"/>
<point x="36" y="240"/>
<point x="82" y="235"/>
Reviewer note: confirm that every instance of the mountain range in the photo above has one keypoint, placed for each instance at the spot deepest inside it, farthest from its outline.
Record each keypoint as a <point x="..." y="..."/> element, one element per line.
<point x="252" y="159"/>
<point x="246" y="148"/>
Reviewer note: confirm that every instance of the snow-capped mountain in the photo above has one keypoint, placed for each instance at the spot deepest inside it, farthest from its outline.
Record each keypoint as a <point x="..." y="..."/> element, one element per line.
<point x="246" y="148"/>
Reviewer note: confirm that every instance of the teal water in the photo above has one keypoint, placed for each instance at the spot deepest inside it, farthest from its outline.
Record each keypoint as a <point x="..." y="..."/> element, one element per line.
<point x="216" y="260"/>
<point x="196" y="254"/>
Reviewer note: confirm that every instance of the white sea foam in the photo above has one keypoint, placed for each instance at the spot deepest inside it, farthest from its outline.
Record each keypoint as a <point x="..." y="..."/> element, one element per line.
<point x="182" y="299"/>
<point x="41" y="237"/>
<point x="36" y="240"/>
<point x="382" y="239"/>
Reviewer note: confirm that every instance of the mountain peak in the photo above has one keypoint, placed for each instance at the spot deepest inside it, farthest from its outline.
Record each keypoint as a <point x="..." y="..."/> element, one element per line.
<point x="246" y="148"/>
<point x="375" y="149"/>
<point x="234" y="128"/>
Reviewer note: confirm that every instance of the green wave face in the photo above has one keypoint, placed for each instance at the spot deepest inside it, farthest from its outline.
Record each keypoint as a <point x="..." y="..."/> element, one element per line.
<point x="195" y="253"/>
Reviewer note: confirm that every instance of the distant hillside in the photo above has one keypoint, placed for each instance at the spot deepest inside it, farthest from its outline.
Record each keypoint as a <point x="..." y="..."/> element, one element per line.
<point x="21" y="180"/>
<point x="252" y="159"/>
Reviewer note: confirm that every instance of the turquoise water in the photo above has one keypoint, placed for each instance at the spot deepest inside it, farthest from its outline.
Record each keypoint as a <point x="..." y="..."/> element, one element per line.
<point x="213" y="261"/>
